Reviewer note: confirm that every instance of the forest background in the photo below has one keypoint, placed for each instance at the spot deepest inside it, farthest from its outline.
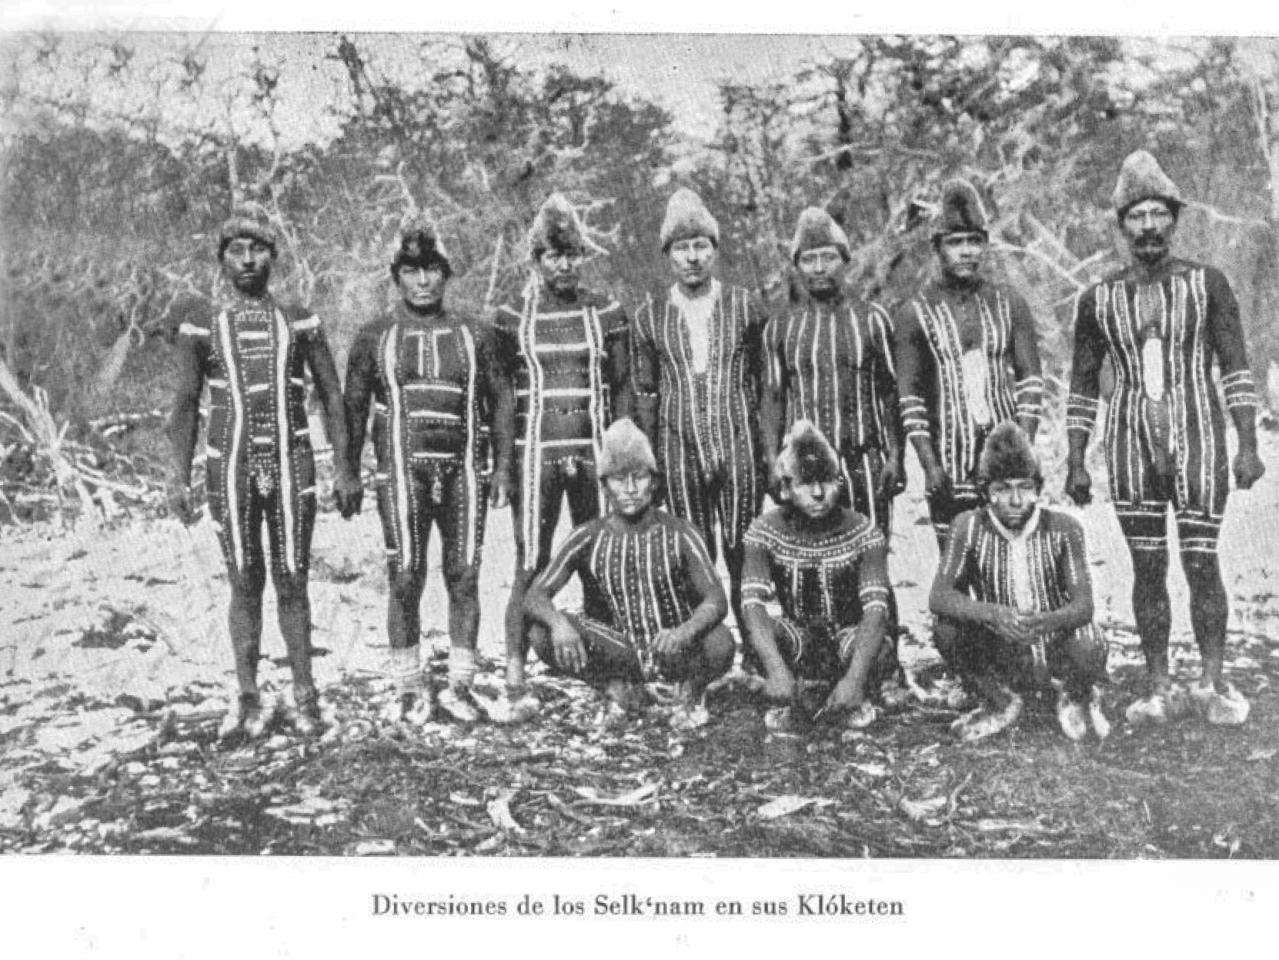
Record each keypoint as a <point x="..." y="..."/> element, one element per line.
<point x="121" y="153"/>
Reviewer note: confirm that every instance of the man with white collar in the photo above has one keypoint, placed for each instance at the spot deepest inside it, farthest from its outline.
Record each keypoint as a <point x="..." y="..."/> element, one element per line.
<point x="697" y="374"/>
<point x="1013" y="599"/>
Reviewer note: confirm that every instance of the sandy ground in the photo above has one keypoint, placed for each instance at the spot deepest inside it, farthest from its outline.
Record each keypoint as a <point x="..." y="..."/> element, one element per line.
<point x="103" y="633"/>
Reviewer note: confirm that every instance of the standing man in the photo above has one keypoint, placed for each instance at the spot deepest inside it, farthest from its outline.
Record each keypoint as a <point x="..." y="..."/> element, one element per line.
<point x="825" y="567"/>
<point x="1163" y="321"/>
<point x="829" y="360"/>
<point x="1013" y="600"/>
<point x="253" y="353"/>
<point x="653" y="603"/>
<point x="567" y="351"/>
<point x="966" y="360"/>
<point x="442" y="423"/>
<point x="698" y="384"/>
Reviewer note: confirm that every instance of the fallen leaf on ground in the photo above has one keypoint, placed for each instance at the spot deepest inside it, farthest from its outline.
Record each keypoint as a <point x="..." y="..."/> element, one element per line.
<point x="637" y="797"/>
<point x="499" y="810"/>
<point x="996" y="825"/>
<point x="789" y="804"/>
<point x="922" y="809"/>
<point x="373" y="848"/>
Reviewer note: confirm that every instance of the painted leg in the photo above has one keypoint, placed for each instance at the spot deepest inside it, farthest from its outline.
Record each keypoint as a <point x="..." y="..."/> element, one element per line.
<point x="244" y="623"/>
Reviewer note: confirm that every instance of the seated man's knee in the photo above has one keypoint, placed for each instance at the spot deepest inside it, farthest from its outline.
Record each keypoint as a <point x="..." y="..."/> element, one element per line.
<point x="1086" y="652"/>
<point x="718" y="649"/>
<point x="946" y="638"/>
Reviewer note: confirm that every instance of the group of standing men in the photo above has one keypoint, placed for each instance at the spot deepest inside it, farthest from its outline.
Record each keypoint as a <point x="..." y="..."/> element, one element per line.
<point x="707" y="402"/>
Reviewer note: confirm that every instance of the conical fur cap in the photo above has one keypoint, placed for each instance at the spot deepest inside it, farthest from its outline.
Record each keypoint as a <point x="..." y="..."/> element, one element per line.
<point x="1141" y="178"/>
<point x="961" y="209"/>
<point x="807" y="456"/>
<point x="247" y="220"/>
<point x="1008" y="455"/>
<point x="817" y="228"/>
<point x="687" y="217"/>
<point x="556" y="227"/>
<point x="420" y="245"/>
<point x="625" y="450"/>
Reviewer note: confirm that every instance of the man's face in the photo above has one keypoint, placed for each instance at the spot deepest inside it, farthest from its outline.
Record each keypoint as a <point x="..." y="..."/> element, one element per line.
<point x="1012" y="500"/>
<point x="561" y="270"/>
<point x="246" y="262"/>
<point x="820" y="269"/>
<point x="1148" y="227"/>
<point x="961" y="255"/>
<point x="693" y="261"/>
<point x="421" y="287"/>
<point x="630" y="493"/>
<point x="816" y="499"/>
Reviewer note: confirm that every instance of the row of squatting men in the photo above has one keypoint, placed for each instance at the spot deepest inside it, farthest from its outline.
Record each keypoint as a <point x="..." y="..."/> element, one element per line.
<point x="467" y="414"/>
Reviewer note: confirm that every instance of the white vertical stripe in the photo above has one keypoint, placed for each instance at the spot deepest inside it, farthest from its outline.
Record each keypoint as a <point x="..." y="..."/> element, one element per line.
<point x="532" y="478"/>
<point x="399" y="459"/>
<point x="468" y="454"/>
<point x="282" y="440"/>
<point x="231" y="483"/>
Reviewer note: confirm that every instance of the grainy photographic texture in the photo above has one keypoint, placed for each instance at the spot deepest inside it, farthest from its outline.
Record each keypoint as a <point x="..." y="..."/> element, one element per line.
<point x="124" y="153"/>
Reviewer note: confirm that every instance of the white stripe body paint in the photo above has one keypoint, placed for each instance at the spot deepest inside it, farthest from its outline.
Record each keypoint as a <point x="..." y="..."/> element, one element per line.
<point x="230" y="486"/>
<point x="468" y="455"/>
<point x="282" y="349"/>
<point x="395" y="443"/>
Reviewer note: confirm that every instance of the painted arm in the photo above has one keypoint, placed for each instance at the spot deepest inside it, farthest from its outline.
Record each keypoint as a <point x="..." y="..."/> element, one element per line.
<point x="1028" y="387"/>
<point x="772" y="404"/>
<point x="644" y="375"/>
<point x="1231" y="349"/>
<point x="192" y="350"/>
<point x="361" y="376"/>
<point x="1072" y="564"/>
<point x="1085" y="389"/>
<point x="712" y="605"/>
<point x="869" y="636"/>
<point x="617" y="347"/>
<point x="887" y="412"/>
<point x="538" y="604"/>
<point x="757" y="593"/>
<point x="913" y="361"/>
<point x="500" y="406"/>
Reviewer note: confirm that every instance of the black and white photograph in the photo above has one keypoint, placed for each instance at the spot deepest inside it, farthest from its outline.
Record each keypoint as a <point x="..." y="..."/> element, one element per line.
<point x="639" y="449"/>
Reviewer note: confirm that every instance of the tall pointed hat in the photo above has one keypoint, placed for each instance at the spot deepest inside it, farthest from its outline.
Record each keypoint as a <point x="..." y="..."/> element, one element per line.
<point x="1141" y="178"/>
<point x="817" y="228"/>
<point x="556" y="227"/>
<point x="961" y="209"/>
<point x="687" y="217"/>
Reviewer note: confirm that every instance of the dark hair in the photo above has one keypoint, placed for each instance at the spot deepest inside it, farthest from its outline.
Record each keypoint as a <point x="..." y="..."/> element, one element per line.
<point x="432" y="258"/>
<point x="226" y="242"/>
